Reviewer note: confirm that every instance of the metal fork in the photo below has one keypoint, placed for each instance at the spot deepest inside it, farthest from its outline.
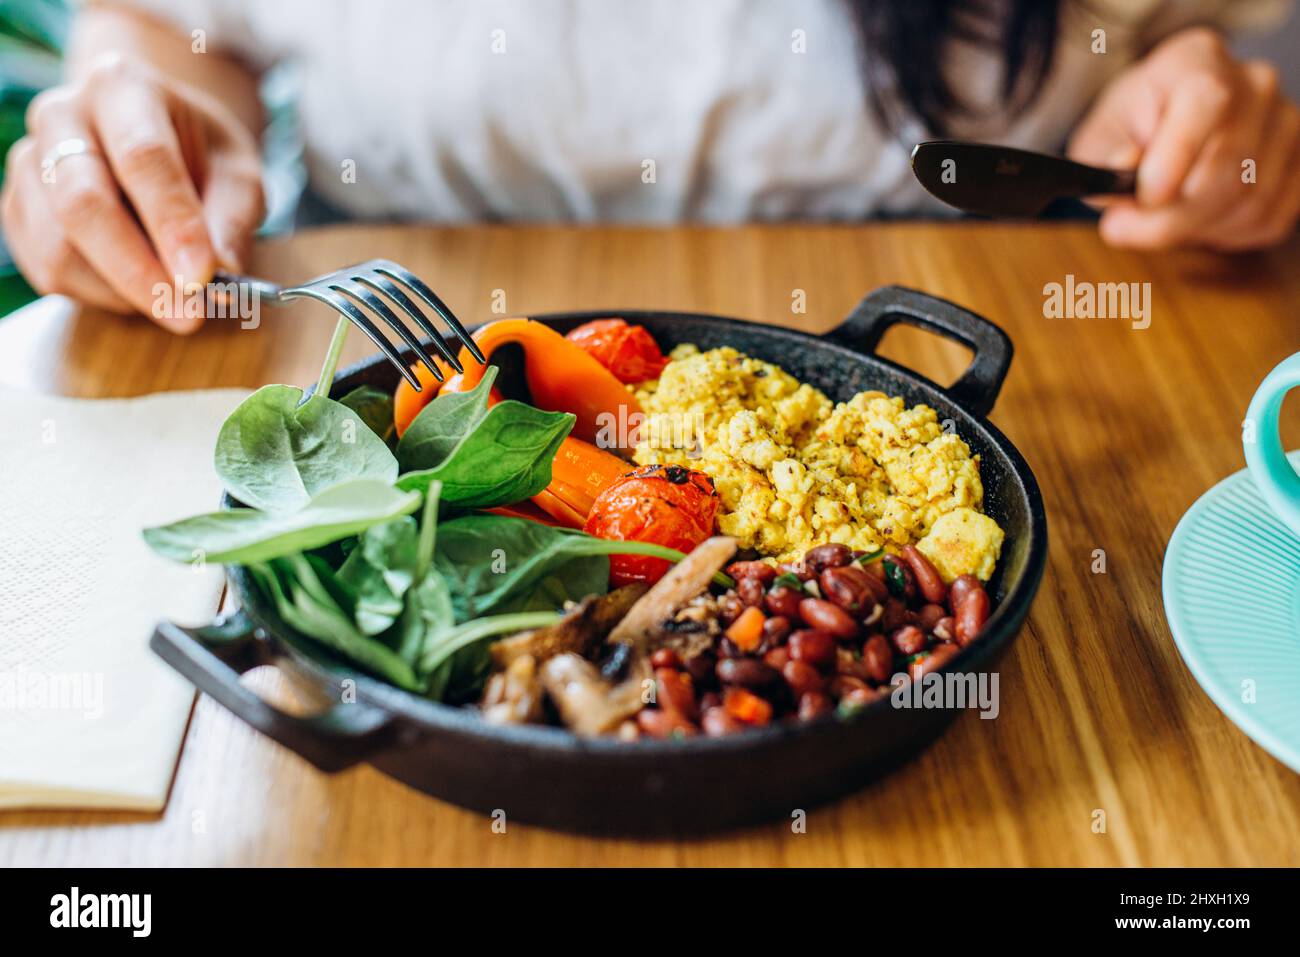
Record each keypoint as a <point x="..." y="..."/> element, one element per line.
<point x="351" y="288"/>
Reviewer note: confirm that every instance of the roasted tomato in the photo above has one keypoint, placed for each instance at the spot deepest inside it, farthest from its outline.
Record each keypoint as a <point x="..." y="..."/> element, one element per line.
<point x="664" y="504"/>
<point x="627" y="351"/>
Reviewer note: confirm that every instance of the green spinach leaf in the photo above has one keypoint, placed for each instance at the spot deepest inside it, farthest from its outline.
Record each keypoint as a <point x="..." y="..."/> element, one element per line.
<point x="443" y="424"/>
<point x="307" y="605"/>
<point x="375" y="408"/>
<point x="243" y="535"/>
<point x="275" y="454"/>
<point x="379" y="570"/>
<point x="495" y="564"/>
<point x="482" y="456"/>
<point x="453" y="641"/>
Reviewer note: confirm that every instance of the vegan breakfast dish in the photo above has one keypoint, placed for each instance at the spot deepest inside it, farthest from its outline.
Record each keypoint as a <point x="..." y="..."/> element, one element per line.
<point x="650" y="546"/>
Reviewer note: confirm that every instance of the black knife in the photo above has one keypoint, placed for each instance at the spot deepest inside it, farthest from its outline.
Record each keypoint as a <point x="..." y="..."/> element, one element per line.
<point x="1005" y="182"/>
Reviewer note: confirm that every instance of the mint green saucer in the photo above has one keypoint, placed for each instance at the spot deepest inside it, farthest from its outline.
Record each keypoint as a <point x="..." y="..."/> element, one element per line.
<point x="1232" y="597"/>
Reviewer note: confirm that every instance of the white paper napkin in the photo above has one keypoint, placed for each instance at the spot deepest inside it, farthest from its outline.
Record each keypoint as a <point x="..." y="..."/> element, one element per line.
<point x="89" y="717"/>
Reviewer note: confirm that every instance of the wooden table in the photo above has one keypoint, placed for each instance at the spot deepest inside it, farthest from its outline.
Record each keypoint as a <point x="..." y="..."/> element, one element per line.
<point x="1124" y="428"/>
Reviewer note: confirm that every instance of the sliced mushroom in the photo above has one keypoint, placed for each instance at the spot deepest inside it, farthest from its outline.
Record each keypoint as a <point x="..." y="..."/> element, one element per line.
<point x="580" y="631"/>
<point x="647" y="624"/>
<point x="514" y="696"/>
<point x="588" y="704"/>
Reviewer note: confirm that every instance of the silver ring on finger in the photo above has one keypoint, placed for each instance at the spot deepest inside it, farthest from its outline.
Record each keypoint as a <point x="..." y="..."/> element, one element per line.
<point x="73" y="146"/>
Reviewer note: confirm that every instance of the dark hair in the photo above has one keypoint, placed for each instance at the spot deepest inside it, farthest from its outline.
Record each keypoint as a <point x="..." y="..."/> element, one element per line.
<point x="904" y="42"/>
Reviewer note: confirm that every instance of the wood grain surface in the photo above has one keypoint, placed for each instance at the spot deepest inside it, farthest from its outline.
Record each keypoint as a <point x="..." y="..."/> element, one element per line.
<point x="1124" y="428"/>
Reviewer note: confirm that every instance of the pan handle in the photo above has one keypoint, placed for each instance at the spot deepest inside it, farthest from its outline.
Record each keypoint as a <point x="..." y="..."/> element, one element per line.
<point x="977" y="389"/>
<point x="213" y="657"/>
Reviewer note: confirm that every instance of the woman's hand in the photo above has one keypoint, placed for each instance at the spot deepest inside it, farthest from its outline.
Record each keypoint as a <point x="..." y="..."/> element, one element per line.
<point x="168" y="185"/>
<point x="1199" y="126"/>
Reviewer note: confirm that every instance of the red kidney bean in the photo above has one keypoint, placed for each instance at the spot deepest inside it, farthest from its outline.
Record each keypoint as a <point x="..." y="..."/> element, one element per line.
<point x="945" y="629"/>
<point x="783" y="601"/>
<point x="814" y="704"/>
<point x="959" y="589"/>
<point x="729" y="608"/>
<point x="849" y="587"/>
<point x="896" y="615"/>
<point x="663" y="724"/>
<point x="665" y="658"/>
<point x="928" y="580"/>
<point x="776" y="630"/>
<point x="728" y="648"/>
<point x="875" y="569"/>
<point x="750" y="591"/>
<point x="971" y="615"/>
<point x="826" y="616"/>
<point x="749" y="673"/>
<point x="777" y="657"/>
<point x="878" y="657"/>
<point x="815" y="647"/>
<point x="802" y="677"/>
<point x="830" y="555"/>
<point x="718" y="724"/>
<point x="710" y="699"/>
<point x="929" y="616"/>
<point x="908" y="640"/>
<point x="931" y="662"/>
<point x="760" y="570"/>
<point x="700" y="668"/>
<point x="676" y="693"/>
<point x="842" y="685"/>
<point x="879" y="590"/>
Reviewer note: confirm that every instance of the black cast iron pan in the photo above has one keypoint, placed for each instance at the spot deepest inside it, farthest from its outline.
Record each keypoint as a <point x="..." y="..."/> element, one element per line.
<point x="546" y="776"/>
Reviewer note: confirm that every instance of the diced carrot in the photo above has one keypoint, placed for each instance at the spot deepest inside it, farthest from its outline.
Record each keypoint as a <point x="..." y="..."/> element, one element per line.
<point x="746" y="632"/>
<point x="746" y="706"/>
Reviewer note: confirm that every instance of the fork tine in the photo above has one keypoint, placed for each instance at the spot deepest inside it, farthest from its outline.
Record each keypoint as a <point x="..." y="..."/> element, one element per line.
<point x="410" y="279"/>
<point x="390" y="289"/>
<point x="364" y="296"/>
<point x="341" y="304"/>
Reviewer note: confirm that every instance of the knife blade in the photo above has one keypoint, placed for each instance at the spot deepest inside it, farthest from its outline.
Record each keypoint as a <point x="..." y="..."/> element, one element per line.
<point x="1004" y="182"/>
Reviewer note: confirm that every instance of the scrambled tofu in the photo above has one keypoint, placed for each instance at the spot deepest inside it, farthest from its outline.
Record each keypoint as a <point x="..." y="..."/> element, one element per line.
<point x="793" y="469"/>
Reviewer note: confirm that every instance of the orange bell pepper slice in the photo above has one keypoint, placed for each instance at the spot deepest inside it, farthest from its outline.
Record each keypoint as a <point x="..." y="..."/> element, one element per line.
<point x="523" y="510"/>
<point x="561" y="377"/>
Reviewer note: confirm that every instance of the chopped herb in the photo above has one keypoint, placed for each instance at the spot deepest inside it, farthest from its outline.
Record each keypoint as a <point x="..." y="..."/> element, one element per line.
<point x="787" y="580"/>
<point x="894" y="577"/>
<point x="850" y="709"/>
<point x="870" y="557"/>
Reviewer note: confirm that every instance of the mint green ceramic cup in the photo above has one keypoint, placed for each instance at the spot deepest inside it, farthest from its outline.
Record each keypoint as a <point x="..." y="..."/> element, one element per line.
<point x="1278" y="482"/>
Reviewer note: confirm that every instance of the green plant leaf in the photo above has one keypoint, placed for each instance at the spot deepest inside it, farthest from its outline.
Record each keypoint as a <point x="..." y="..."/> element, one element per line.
<point x="375" y="408"/>
<point x="308" y="606"/>
<point x="427" y="612"/>
<point x="243" y="535"/>
<point x="482" y="456"/>
<point x="275" y="454"/>
<point x="443" y="424"/>
<point x="379" y="571"/>
<point x="495" y="564"/>
<point x="462" y="636"/>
